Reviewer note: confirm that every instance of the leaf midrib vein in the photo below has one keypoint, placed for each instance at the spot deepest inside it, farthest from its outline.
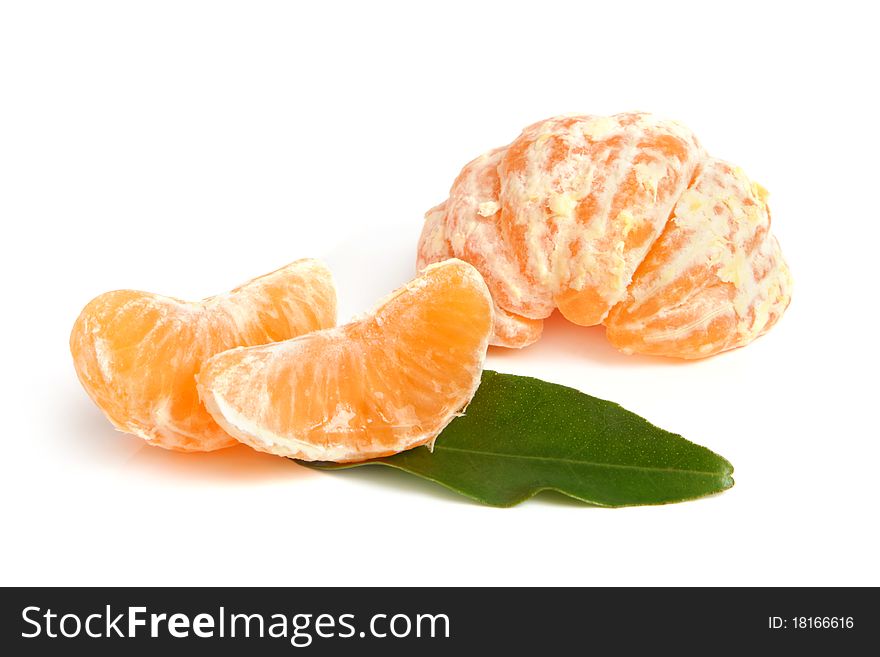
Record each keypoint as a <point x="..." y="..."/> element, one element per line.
<point x="576" y="461"/>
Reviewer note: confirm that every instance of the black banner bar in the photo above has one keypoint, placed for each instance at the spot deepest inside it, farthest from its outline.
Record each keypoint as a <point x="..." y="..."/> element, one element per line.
<point x="435" y="621"/>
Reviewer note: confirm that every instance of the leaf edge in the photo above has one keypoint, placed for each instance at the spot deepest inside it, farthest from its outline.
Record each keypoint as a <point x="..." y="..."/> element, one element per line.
<point x="728" y="482"/>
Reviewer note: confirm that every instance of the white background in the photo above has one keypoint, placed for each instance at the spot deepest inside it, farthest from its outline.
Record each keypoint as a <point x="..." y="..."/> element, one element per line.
<point x="184" y="147"/>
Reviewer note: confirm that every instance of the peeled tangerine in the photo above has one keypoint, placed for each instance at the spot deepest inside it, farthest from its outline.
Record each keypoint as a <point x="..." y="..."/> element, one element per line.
<point x="137" y="353"/>
<point x="385" y="383"/>
<point x="622" y="221"/>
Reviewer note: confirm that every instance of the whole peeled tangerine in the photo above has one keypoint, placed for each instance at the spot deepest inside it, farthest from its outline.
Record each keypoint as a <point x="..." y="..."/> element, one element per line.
<point x="623" y="221"/>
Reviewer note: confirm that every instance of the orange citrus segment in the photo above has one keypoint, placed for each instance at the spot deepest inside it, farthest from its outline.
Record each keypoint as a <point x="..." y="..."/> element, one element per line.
<point x="514" y="331"/>
<point x="382" y="384"/>
<point x="137" y="353"/>
<point x="509" y="329"/>
<point x="715" y="280"/>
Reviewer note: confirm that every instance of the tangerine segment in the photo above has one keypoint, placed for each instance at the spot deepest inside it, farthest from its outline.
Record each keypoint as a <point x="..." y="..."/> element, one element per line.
<point x="509" y="329"/>
<point x="473" y="233"/>
<point x="382" y="384"/>
<point x="137" y="353"/>
<point x="515" y="331"/>
<point x="715" y="280"/>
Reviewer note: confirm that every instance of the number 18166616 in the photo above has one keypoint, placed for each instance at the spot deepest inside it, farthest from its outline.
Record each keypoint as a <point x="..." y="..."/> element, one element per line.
<point x="811" y="623"/>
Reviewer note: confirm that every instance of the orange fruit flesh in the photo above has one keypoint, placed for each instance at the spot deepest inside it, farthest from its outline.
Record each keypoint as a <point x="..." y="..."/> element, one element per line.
<point x="387" y="382"/>
<point x="509" y="329"/>
<point x="514" y="331"/>
<point x="137" y="354"/>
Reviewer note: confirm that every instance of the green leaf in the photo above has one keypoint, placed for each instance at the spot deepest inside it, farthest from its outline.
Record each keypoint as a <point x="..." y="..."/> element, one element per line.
<point x="521" y="435"/>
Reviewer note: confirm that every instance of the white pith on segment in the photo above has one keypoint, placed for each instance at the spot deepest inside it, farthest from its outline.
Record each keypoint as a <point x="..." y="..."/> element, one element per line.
<point x="579" y="202"/>
<point x="366" y="389"/>
<point x="120" y="378"/>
